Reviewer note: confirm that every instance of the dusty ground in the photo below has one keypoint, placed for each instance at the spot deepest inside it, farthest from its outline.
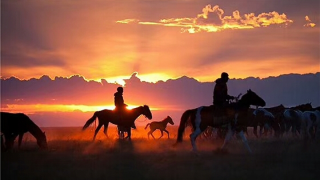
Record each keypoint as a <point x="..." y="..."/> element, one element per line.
<point x="72" y="155"/>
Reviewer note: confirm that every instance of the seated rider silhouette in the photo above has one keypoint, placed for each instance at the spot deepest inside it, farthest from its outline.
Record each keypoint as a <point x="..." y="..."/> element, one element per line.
<point x="220" y="94"/>
<point x="120" y="105"/>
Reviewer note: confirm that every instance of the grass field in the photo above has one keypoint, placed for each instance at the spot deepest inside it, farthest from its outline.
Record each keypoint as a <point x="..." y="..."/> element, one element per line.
<point x="72" y="155"/>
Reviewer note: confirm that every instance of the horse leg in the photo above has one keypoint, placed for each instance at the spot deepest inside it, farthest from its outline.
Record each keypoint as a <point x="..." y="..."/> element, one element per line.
<point x="193" y="137"/>
<point x="150" y="133"/>
<point x="197" y="131"/>
<point x="96" y="131"/>
<point x="228" y="136"/>
<point x="260" y="130"/>
<point x="161" y="134"/>
<point x="167" y="133"/>
<point x="266" y="129"/>
<point x="3" y="147"/>
<point x="129" y="134"/>
<point x="255" y="131"/>
<point x="105" y="131"/>
<point x="245" y="141"/>
<point x="20" y="140"/>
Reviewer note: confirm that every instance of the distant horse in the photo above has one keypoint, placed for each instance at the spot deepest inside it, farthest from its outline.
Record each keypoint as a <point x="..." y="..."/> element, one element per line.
<point x="292" y="117"/>
<point x="106" y="116"/>
<point x="13" y="125"/>
<point x="266" y="120"/>
<point x="161" y="125"/>
<point x="277" y="112"/>
<point x="311" y="124"/>
<point x="235" y="115"/>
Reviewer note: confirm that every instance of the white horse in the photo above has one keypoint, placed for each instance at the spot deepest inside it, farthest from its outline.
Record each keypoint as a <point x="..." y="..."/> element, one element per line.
<point x="292" y="119"/>
<point x="311" y="123"/>
<point x="265" y="118"/>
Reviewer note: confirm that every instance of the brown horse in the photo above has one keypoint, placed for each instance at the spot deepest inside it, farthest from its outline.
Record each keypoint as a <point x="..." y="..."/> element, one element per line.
<point x="13" y="125"/>
<point x="161" y="125"/>
<point x="127" y="119"/>
<point x="234" y="116"/>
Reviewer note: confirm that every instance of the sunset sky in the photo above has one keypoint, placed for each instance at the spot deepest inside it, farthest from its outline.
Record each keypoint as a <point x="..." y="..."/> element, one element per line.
<point x="159" y="40"/>
<point x="111" y="41"/>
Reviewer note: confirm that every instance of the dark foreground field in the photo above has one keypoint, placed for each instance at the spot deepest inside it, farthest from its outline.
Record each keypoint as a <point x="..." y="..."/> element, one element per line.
<point x="72" y="155"/>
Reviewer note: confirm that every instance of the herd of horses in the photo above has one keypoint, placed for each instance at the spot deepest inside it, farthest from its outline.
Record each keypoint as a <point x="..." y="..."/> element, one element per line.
<point x="235" y="118"/>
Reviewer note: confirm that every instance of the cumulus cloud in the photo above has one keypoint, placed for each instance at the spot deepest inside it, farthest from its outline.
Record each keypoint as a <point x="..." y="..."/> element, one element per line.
<point x="213" y="19"/>
<point x="309" y="22"/>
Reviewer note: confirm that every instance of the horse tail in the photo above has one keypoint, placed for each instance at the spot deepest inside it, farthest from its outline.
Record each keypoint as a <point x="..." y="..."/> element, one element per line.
<point x="183" y="121"/>
<point x="90" y="121"/>
<point x="147" y="126"/>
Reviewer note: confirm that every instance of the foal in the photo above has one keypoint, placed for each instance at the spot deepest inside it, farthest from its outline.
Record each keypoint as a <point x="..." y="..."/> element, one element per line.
<point x="161" y="125"/>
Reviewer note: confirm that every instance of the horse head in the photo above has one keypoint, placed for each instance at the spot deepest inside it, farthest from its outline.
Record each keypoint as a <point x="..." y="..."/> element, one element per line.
<point x="42" y="141"/>
<point x="253" y="99"/>
<point x="146" y="112"/>
<point x="169" y="120"/>
<point x="303" y="107"/>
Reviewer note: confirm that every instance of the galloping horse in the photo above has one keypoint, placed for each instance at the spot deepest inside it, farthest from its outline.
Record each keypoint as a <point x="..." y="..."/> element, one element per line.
<point x="235" y="116"/>
<point x="13" y="125"/>
<point x="106" y="116"/>
<point x="161" y="125"/>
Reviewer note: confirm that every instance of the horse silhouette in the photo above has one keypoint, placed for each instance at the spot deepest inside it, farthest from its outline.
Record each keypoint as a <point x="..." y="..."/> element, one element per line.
<point x="161" y="125"/>
<point x="14" y="124"/>
<point x="292" y="118"/>
<point x="235" y="116"/>
<point x="127" y="119"/>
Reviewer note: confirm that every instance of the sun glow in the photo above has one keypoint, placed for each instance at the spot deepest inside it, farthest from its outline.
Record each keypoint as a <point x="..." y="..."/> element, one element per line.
<point x="33" y="108"/>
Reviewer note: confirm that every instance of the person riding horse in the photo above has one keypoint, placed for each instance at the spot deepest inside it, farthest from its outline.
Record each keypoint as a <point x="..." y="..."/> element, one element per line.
<point x="221" y="100"/>
<point x="220" y="93"/>
<point x="120" y="105"/>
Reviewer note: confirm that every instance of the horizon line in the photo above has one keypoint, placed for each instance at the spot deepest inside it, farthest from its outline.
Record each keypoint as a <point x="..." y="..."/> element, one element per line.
<point x="135" y="74"/>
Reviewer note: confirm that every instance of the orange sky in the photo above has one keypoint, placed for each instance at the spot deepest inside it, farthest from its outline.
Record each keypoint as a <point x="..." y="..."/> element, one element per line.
<point x="200" y="40"/>
<point x="158" y="40"/>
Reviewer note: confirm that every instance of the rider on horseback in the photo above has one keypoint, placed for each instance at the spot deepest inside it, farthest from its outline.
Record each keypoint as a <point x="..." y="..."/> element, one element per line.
<point x="221" y="100"/>
<point x="220" y="93"/>
<point x="120" y="105"/>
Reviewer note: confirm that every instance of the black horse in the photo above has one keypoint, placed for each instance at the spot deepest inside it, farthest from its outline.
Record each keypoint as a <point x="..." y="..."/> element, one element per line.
<point x="127" y="119"/>
<point x="235" y="116"/>
<point x="13" y="125"/>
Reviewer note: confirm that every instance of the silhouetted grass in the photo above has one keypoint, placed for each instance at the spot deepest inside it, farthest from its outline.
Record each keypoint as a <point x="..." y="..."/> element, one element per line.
<point x="72" y="155"/>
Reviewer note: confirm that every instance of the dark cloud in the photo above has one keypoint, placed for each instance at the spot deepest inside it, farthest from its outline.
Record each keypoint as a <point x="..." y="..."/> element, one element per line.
<point x="180" y="93"/>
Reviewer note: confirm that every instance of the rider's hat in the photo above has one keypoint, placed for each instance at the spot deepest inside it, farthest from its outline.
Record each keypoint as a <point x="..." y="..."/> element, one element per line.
<point x="120" y="89"/>
<point x="224" y="75"/>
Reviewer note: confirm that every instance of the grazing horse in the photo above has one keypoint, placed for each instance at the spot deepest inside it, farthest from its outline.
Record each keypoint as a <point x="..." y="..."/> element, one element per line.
<point x="277" y="112"/>
<point x="234" y="115"/>
<point x="311" y="124"/>
<point x="266" y="120"/>
<point x="13" y="125"/>
<point x="106" y="116"/>
<point x="292" y="117"/>
<point x="161" y="125"/>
